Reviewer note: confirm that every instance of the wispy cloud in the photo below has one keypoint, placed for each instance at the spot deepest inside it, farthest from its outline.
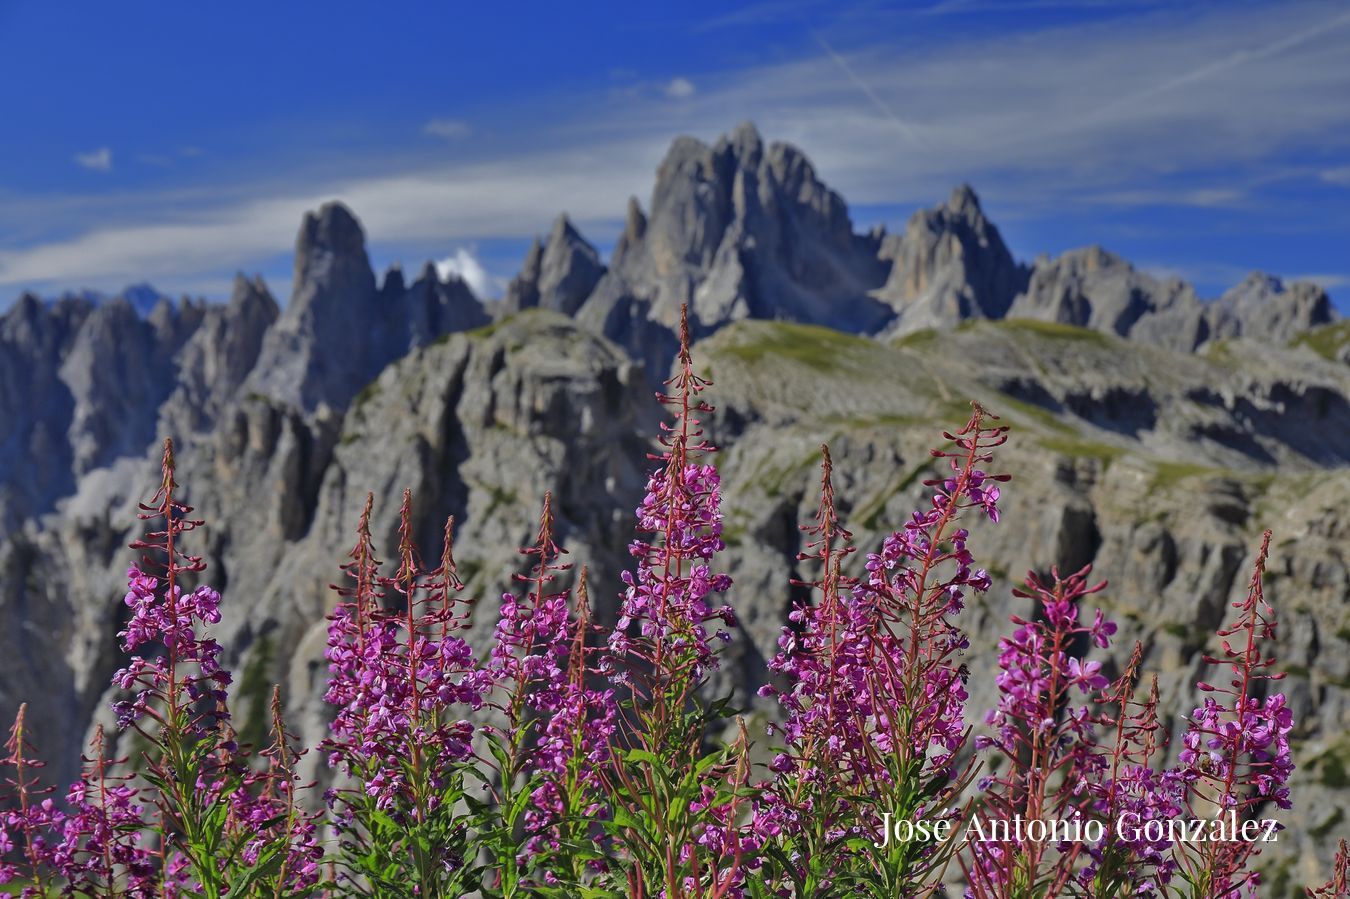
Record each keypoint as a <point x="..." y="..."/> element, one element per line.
<point x="449" y="129"/>
<point x="477" y="201"/>
<point x="464" y="264"/>
<point x="1038" y="120"/>
<point x="680" y="89"/>
<point x="1203" y="198"/>
<point x="1325" y="281"/>
<point x="99" y="160"/>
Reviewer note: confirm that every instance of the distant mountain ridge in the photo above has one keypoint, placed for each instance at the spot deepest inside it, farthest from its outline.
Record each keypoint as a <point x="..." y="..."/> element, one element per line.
<point x="738" y="230"/>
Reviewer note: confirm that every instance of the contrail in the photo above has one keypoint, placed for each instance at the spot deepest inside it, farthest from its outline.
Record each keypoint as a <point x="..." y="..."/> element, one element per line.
<point x="872" y="95"/>
<point x="1233" y="60"/>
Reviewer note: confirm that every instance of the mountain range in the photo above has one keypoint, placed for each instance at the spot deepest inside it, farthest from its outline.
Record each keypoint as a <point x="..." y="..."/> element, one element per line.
<point x="1154" y="434"/>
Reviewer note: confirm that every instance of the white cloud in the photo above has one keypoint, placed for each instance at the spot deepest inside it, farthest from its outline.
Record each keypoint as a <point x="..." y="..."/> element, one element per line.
<point x="465" y="265"/>
<point x="449" y="129"/>
<point x="99" y="160"/>
<point x="680" y="89"/>
<point x="508" y="198"/>
<point x="1339" y="176"/>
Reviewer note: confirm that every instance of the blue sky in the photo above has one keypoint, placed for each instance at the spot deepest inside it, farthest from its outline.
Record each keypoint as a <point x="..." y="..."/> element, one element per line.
<point x="177" y="143"/>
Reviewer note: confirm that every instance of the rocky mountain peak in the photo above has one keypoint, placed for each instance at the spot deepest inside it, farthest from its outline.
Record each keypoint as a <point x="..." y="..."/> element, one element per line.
<point x="950" y="264"/>
<point x="736" y="230"/>
<point x="1091" y="287"/>
<point x="393" y="284"/>
<point x="965" y="202"/>
<point x="332" y="232"/>
<point x="1263" y="306"/>
<point x="634" y="230"/>
<point x="250" y="298"/>
<point x="558" y="274"/>
<point x="743" y="144"/>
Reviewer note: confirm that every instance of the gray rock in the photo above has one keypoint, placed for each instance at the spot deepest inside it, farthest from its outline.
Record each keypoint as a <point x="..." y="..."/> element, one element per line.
<point x="1092" y="288"/>
<point x="338" y="331"/>
<point x="949" y="265"/>
<point x="214" y="363"/>
<point x="558" y="274"/>
<point x="737" y="230"/>
<point x="1263" y="307"/>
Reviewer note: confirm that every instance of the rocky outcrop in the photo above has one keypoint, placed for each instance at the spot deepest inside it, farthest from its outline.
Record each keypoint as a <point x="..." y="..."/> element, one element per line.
<point x="1095" y="289"/>
<point x="949" y="265"/>
<point x="558" y="274"/>
<point x="314" y="354"/>
<point x="1092" y="288"/>
<point x="214" y="363"/>
<point x="35" y="405"/>
<point x="736" y="230"/>
<point x="338" y="331"/>
<point x="1264" y="307"/>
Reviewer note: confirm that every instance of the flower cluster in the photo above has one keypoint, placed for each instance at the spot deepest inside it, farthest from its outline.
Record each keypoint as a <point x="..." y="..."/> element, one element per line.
<point x="669" y="597"/>
<point x="1048" y="741"/>
<point x="571" y="759"/>
<point x="217" y="822"/>
<point x="671" y="606"/>
<point x="401" y="679"/>
<point x="875" y="696"/>
<point x="574" y="743"/>
<point x="1236" y="756"/>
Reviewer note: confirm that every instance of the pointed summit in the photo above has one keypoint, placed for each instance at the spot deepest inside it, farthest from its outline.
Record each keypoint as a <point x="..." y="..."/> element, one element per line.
<point x="332" y="231"/>
<point x="738" y="229"/>
<point x="950" y="264"/>
<point x="634" y="229"/>
<point x="1266" y="307"/>
<point x="964" y="201"/>
<point x="558" y="274"/>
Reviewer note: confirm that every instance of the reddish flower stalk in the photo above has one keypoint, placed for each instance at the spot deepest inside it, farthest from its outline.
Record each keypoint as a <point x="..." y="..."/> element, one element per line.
<point x="874" y="713"/>
<point x="21" y="759"/>
<point x="668" y="601"/>
<point x="1338" y="886"/>
<point x="1048" y="743"/>
<point x="1236" y="756"/>
<point x="100" y="851"/>
<point x="1131" y="791"/>
<point x="532" y="636"/>
<point x="577" y="725"/>
<point x="399" y="679"/>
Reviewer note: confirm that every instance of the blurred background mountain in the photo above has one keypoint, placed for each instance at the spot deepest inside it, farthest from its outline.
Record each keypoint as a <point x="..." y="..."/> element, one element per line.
<point x="1168" y="400"/>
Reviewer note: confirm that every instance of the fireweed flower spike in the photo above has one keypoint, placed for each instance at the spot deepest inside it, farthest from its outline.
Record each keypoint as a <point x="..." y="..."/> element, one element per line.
<point x="876" y="688"/>
<point x="400" y="680"/>
<point x="100" y="850"/>
<point x="1047" y="742"/>
<point x="1235" y="757"/>
<point x="1130" y="790"/>
<point x="193" y="773"/>
<point x="528" y="666"/>
<point x="34" y="811"/>
<point x="577" y="724"/>
<point x="661" y="650"/>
